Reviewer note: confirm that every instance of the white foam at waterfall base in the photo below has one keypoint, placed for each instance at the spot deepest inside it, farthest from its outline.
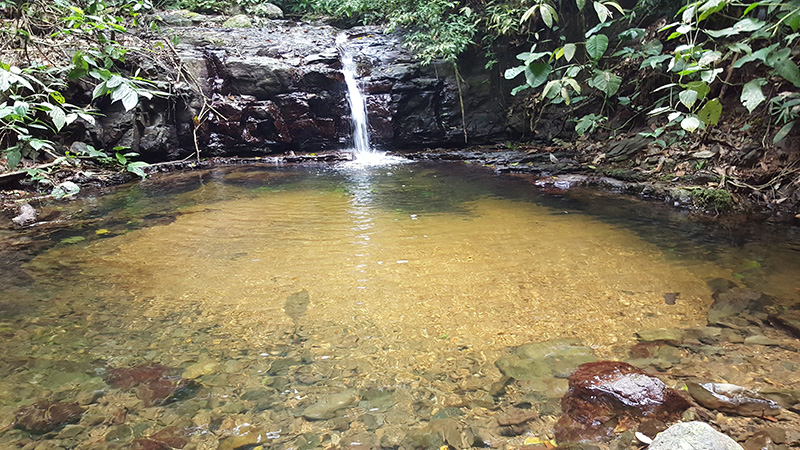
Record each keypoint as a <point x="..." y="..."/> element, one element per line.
<point x="363" y="153"/>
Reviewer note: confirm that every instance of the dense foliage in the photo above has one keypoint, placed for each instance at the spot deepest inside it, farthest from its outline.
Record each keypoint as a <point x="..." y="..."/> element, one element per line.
<point x="584" y="51"/>
<point x="52" y="54"/>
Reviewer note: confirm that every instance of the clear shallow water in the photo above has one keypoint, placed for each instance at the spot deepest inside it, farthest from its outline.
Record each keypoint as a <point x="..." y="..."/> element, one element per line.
<point x="396" y="287"/>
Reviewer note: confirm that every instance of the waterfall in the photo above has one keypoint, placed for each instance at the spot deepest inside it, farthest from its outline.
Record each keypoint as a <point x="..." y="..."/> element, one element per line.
<point x="358" y="105"/>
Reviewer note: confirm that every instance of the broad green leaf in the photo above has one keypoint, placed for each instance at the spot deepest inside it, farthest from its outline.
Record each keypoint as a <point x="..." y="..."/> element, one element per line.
<point x="607" y="82"/>
<point x="58" y="116"/>
<point x="513" y="72"/>
<point x="580" y="4"/>
<point x="794" y="21"/>
<point x="13" y="157"/>
<point x="536" y="74"/>
<point x="760" y="55"/>
<point x="710" y="112"/>
<point x="654" y="61"/>
<point x="708" y="76"/>
<point x="709" y="58"/>
<point x="99" y="90"/>
<point x="710" y="7"/>
<point x="690" y="124"/>
<point x="114" y="81"/>
<point x="519" y="89"/>
<point x="551" y="89"/>
<point x="126" y="95"/>
<point x="700" y="87"/>
<point x="688" y="97"/>
<point x="87" y="117"/>
<point x="596" y="46"/>
<point x="742" y="26"/>
<point x="574" y="84"/>
<point x="740" y="47"/>
<point x="530" y="12"/>
<point x="602" y="11"/>
<point x="751" y="94"/>
<point x="789" y="70"/>
<point x="548" y="15"/>
<point x="782" y="133"/>
<point x="569" y="51"/>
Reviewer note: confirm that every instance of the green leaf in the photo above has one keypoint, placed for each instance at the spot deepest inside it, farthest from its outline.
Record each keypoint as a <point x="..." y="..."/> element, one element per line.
<point x="654" y="61"/>
<point x="708" y="76"/>
<point x="760" y="55"/>
<point x="137" y="168"/>
<point x="126" y="95"/>
<point x="536" y="74"/>
<point x="710" y="7"/>
<point x="58" y="116"/>
<point x="607" y="82"/>
<point x="742" y="26"/>
<point x="519" y="89"/>
<point x="688" y="97"/>
<point x="596" y="46"/>
<point x="597" y="28"/>
<point x="99" y="90"/>
<point x="700" y="87"/>
<point x="752" y="6"/>
<point x="710" y="112"/>
<point x="751" y="94"/>
<point x="13" y="157"/>
<point x="548" y="15"/>
<point x="789" y="70"/>
<point x="569" y="51"/>
<point x="782" y="133"/>
<point x="551" y="89"/>
<point x="513" y="72"/>
<point x="58" y="97"/>
<point x="603" y="13"/>
<point x="580" y="4"/>
<point x="690" y="124"/>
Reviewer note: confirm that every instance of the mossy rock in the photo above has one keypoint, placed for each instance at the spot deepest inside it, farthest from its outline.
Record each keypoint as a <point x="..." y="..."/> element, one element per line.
<point x="718" y="200"/>
<point x="238" y="21"/>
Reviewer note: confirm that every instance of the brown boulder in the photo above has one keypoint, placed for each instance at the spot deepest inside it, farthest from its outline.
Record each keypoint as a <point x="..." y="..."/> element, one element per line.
<point x="46" y="416"/>
<point x="607" y="397"/>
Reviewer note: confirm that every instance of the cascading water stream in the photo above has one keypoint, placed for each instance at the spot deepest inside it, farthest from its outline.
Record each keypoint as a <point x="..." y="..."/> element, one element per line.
<point x="358" y="106"/>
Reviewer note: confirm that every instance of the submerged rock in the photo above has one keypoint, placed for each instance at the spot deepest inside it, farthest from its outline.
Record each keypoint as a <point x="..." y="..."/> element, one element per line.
<point x="555" y="358"/>
<point x="605" y="394"/>
<point x="731" y="304"/>
<point x="27" y="215"/>
<point x="693" y="436"/>
<point x="46" y="416"/>
<point x="155" y="384"/>
<point x="327" y="407"/>
<point x="732" y="399"/>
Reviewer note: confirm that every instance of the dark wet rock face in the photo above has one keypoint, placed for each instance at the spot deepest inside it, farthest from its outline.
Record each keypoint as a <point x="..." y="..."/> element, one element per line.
<point x="732" y="399"/>
<point x="154" y="384"/>
<point x="605" y="396"/>
<point x="279" y="87"/>
<point x="46" y="416"/>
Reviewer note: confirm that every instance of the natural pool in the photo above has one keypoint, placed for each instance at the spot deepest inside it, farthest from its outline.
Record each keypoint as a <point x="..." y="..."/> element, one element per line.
<point x="321" y="306"/>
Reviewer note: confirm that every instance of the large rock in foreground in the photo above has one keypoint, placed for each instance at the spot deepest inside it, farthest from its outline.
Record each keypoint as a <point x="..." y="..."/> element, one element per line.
<point x="605" y="397"/>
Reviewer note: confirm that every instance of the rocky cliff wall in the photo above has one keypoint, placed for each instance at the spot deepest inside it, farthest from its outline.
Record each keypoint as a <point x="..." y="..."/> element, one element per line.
<point x="279" y="87"/>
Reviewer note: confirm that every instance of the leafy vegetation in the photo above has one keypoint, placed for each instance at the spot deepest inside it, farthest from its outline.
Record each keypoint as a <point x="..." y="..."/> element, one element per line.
<point x="52" y="53"/>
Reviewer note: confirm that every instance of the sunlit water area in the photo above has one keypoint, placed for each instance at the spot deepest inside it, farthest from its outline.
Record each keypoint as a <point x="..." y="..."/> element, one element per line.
<point x="302" y="307"/>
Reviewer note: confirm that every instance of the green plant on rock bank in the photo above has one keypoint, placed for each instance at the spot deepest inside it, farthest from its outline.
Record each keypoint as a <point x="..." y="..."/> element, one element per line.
<point x="715" y="46"/>
<point x="83" y="54"/>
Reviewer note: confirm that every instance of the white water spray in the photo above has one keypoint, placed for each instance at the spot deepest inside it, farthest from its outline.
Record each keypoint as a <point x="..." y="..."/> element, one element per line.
<point x="358" y="104"/>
